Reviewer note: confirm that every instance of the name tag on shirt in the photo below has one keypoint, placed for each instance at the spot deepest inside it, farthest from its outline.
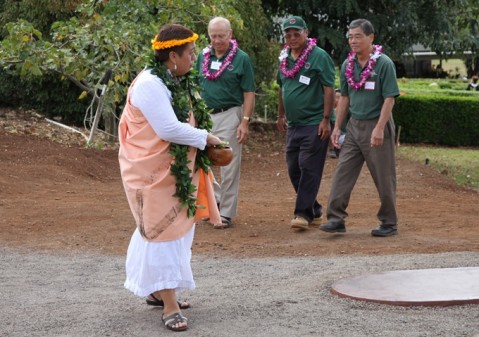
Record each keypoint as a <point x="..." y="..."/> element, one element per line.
<point x="215" y="65"/>
<point x="305" y="80"/>
<point x="369" y="85"/>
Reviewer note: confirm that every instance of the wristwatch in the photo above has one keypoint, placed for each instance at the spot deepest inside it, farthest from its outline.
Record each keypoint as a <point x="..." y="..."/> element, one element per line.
<point x="247" y="118"/>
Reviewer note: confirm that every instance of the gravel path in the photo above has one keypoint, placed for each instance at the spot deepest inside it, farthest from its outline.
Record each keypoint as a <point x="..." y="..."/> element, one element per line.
<point x="82" y="295"/>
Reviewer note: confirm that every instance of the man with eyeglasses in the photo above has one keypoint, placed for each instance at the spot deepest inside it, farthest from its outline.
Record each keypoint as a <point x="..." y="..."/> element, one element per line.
<point x="227" y="86"/>
<point x="368" y="91"/>
<point x="306" y="96"/>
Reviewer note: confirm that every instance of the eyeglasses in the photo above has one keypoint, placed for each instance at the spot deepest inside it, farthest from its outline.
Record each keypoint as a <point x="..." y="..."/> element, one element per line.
<point x="295" y="35"/>
<point x="221" y="36"/>
<point x="356" y="37"/>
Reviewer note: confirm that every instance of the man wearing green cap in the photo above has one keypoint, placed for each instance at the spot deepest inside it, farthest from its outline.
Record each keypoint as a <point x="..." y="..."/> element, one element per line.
<point x="306" y="96"/>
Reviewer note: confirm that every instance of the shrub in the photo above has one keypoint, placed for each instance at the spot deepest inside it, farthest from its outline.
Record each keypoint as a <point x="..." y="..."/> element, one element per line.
<point x="48" y="95"/>
<point x="267" y="99"/>
<point x="436" y="118"/>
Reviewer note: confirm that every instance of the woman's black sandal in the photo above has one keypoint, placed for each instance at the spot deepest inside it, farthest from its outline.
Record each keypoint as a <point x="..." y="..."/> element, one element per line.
<point x="158" y="302"/>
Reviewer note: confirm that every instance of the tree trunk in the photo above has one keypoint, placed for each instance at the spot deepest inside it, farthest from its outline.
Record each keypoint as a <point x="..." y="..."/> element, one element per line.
<point x="111" y="126"/>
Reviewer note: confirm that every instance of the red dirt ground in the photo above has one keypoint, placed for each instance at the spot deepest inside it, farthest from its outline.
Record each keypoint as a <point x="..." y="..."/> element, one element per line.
<point x="57" y="195"/>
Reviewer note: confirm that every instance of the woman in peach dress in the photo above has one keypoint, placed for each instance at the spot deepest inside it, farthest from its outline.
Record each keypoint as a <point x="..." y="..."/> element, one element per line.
<point x="163" y="132"/>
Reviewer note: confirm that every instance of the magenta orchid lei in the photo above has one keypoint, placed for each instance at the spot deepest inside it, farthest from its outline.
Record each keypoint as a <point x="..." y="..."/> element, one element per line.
<point x="300" y="62"/>
<point x="366" y="73"/>
<point x="205" y="66"/>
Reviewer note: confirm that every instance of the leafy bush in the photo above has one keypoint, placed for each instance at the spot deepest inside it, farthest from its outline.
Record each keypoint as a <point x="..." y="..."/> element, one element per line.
<point x="48" y="95"/>
<point x="437" y="118"/>
<point x="267" y="100"/>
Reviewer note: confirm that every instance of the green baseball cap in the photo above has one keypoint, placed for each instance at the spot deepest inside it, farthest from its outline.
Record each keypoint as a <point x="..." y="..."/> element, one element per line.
<point x="296" y="22"/>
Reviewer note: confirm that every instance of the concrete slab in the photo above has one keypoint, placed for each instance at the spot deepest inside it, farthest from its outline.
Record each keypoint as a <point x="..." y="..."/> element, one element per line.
<point x="420" y="287"/>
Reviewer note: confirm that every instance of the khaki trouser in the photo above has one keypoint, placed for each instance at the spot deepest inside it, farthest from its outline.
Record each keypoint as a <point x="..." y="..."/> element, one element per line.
<point x="381" y="164"/>
<point x="225" y="125"/>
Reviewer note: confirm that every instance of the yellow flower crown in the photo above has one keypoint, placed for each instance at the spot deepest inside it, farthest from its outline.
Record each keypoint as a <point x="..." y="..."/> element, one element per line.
<point x="157" y="45"/>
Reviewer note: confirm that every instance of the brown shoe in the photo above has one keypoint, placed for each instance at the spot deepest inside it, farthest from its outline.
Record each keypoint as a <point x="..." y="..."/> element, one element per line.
<point x="299" y="223"/>
<point x="316" y="221"/>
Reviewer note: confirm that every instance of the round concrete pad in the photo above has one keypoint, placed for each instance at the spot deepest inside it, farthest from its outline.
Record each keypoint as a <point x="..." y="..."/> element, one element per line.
<point x="421" y="287"/>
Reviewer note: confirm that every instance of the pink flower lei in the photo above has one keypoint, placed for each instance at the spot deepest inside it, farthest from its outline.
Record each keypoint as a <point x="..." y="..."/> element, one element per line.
<point x="366" y="73"/>
<point x="300" y="62"/>
<point x="205" y="66"/>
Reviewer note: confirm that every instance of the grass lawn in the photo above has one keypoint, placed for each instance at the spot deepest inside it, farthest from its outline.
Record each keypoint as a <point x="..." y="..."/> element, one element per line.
<point x="461" y="164"/>
<point x="435" y="85"/>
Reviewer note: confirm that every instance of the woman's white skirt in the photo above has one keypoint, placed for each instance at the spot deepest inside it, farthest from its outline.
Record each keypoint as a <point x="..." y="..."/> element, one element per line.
<point x="153" y="266"/>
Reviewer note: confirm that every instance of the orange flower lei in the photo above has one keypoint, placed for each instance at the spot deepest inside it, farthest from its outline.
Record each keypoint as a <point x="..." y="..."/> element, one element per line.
<point x="157" y="45"/>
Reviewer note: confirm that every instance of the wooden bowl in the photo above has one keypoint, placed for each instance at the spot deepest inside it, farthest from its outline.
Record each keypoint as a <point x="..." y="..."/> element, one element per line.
<point x="220" y="155"/>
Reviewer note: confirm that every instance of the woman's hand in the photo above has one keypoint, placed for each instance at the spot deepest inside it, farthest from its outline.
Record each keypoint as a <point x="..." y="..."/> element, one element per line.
<point x="212" y="140"/>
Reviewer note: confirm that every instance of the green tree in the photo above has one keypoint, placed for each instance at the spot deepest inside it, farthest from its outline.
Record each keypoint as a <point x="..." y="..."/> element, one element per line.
<point x="56" y="97"/>
<point x="41" y="13"/>
<point x="443" y="25"/>
<point x="263" y="51"/>
<point x="116" y="34"/>
<point x="103" y="35"/>
<point x="464" y="35"/>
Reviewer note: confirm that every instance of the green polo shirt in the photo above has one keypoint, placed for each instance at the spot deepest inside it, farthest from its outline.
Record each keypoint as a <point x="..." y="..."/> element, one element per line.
<point x="227" y="91"/>
<point x="366" y="103"/>
<point x="303" y="96"/>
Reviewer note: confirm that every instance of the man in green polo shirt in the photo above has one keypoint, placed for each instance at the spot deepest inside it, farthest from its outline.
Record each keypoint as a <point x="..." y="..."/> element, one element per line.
<point x="368" y="90"/>
<point x="227" y="86"/>
<point x="306" y="96"/>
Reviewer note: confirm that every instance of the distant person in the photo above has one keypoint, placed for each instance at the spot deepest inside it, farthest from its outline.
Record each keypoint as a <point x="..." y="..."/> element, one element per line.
<point x="227" y="86"/>
<point x="306" y="97"/>
<point x="473" y="85"/>
<point x="162" y="137"/>
<point x="368" y="90"/>
<point x="440" y="73"/>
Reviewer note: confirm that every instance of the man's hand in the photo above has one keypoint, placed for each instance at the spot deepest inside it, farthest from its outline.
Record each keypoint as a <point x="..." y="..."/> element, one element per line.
<point x="377" y="137"/>
<point x="242" y="132"/>
<point x="335" y="135"/>
<point x="324" y="129"/>
<point x="281" y="123"/>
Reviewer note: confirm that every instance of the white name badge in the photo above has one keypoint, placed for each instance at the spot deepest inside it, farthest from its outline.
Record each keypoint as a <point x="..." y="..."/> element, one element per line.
<point x="215" y="65"/>
<point x="369" y="85"/>
<point x="305" y="80"/>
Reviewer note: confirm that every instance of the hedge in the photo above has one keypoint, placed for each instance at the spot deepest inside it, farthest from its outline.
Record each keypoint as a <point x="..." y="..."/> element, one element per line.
<point x="439" y="119"/>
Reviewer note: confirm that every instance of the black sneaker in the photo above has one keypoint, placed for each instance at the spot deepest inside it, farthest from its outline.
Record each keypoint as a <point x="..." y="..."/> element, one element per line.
<point x="333" y="227"/>
<point x="383" y="230"/>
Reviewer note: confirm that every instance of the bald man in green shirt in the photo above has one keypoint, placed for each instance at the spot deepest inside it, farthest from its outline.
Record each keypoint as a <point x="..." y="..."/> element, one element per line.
<point x="227" y="86"/>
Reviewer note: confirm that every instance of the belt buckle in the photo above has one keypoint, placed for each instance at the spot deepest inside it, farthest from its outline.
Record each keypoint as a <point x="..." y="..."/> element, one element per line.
<point x="220" y="110"/>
